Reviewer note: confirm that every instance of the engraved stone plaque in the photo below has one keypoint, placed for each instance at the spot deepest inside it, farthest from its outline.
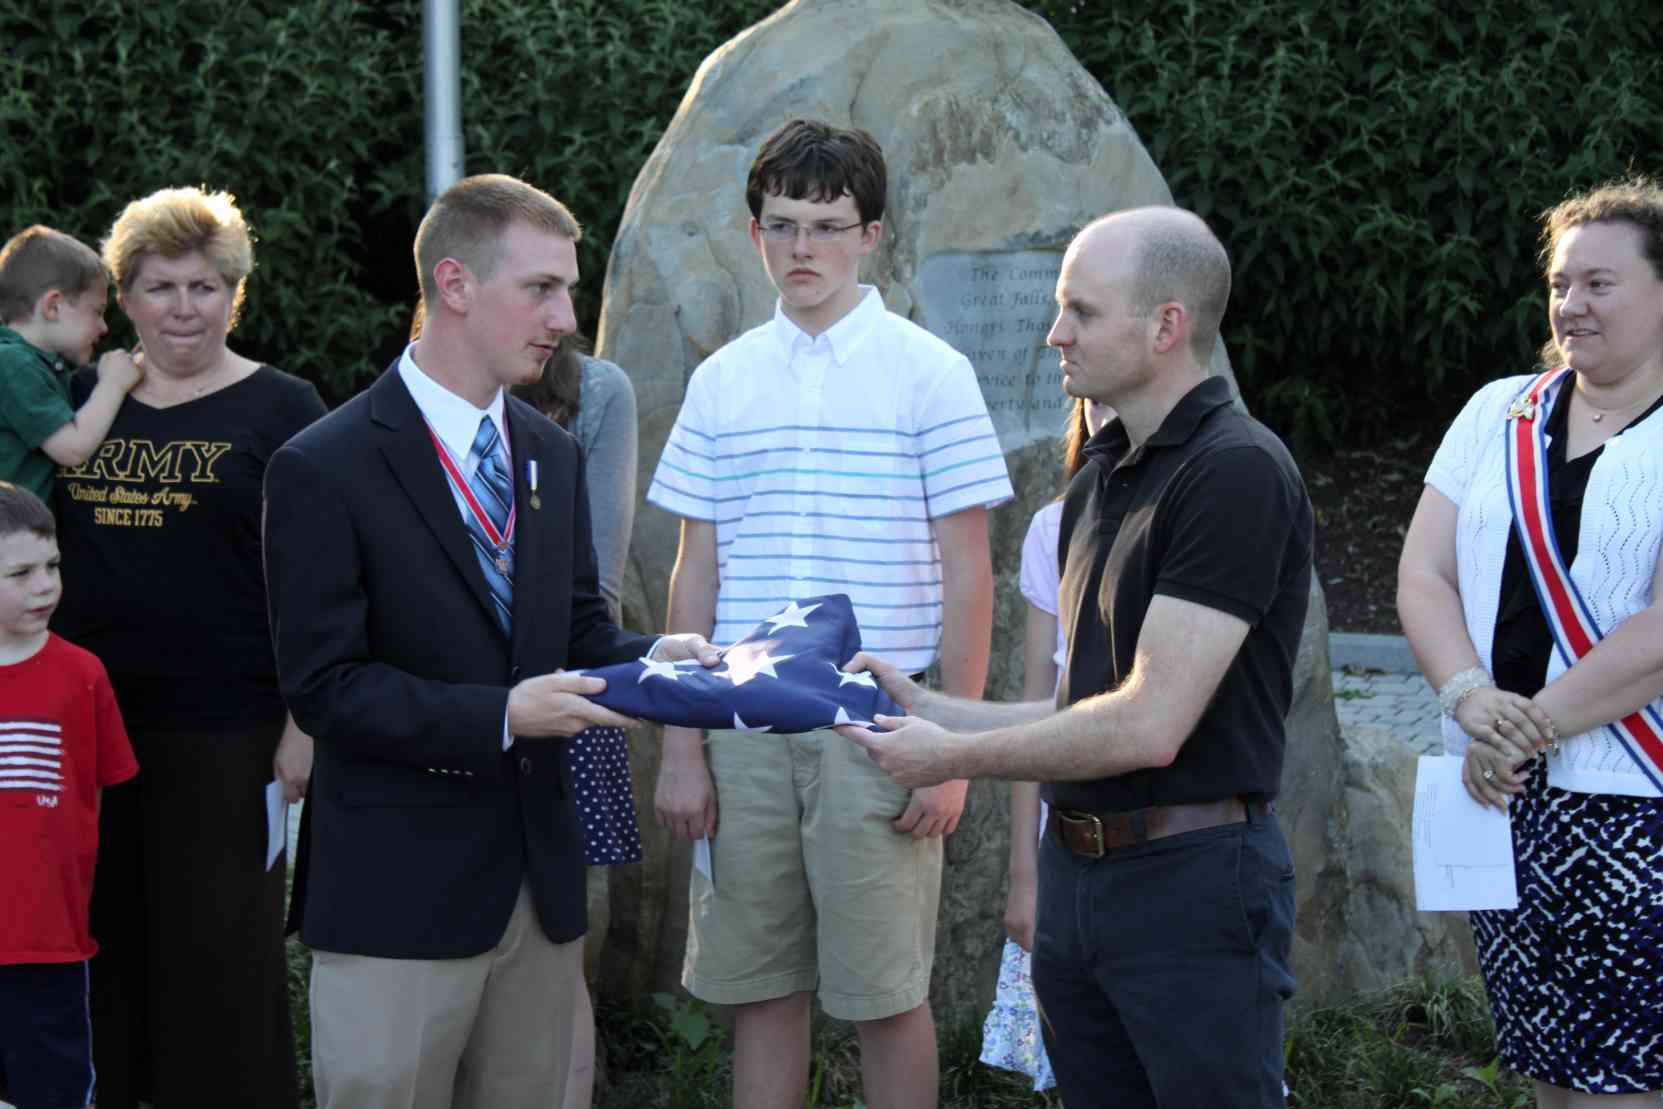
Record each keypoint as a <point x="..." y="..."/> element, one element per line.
<point x="994" y="307"/>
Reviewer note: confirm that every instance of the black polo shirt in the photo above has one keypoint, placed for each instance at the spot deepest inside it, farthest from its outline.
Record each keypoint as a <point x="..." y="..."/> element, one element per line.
<point x="1212" y="510"/>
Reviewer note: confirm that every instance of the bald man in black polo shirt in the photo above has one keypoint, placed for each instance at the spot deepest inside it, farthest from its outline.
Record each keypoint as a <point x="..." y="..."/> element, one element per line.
<point x="1165" y="885"/>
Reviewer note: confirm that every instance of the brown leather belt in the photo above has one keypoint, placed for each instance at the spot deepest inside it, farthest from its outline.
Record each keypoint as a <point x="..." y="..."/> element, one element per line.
<point x="1091" y="834"/>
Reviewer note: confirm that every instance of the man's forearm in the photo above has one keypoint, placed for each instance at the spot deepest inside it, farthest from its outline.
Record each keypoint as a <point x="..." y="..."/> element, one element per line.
<point x="1184" y="651"/>
<point x="961" y="714"/>
<point x="1100" y="737"/>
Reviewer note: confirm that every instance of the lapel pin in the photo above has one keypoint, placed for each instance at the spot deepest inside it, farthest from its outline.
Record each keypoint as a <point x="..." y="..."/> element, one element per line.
<point x="531" y="482"/>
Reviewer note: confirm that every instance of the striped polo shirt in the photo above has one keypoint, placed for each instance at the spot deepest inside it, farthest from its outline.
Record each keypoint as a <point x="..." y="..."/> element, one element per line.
<point x="822" y="460"/>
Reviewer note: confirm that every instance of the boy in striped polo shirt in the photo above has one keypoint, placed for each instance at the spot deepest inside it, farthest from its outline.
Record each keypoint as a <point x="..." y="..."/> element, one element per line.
<point x="836" y="448"/>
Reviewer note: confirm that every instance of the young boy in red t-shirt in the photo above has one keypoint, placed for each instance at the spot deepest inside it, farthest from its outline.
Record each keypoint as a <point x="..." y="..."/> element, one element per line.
<point x="61" y="742"/>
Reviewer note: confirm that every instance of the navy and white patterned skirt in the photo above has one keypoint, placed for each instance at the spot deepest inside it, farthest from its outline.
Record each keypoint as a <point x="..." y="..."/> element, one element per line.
<point x="600" y="770"/>
<point x="1575" y="973"/>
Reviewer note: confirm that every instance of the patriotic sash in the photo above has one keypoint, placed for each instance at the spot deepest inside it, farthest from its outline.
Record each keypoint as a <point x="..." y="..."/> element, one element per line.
<point x="1574" y="630"/>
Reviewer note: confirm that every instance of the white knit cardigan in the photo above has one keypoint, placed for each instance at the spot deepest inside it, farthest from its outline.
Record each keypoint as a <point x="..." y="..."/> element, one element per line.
<point x="1616" y="556"/>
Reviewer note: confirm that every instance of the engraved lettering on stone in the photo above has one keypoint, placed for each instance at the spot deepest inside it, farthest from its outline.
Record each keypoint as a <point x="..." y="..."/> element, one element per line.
<point x="995" y="308"/>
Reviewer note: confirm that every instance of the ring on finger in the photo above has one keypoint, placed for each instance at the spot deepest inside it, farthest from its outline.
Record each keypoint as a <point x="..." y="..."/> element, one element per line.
<point x="1489" y="774"/>
<point x="1499" y="722"/>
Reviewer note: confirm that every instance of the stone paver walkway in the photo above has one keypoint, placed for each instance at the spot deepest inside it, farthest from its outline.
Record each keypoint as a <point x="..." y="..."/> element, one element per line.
<point x="1402" y="702"/>
<point x="1376" y="684"/>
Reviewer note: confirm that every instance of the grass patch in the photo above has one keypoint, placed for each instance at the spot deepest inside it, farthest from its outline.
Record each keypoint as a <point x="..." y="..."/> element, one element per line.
<point x="650" y="1064"/>
<point x="1422" y="1043"/>
<point x="300" y="970"/>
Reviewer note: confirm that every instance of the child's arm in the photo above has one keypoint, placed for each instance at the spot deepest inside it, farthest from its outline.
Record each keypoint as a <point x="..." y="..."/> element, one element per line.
<point x="74" y="443"/>
<point x="1039" y="641"/>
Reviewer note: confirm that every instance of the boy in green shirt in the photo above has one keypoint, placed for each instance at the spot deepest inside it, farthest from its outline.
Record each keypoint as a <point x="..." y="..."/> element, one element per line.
<point x="53" y="290"/>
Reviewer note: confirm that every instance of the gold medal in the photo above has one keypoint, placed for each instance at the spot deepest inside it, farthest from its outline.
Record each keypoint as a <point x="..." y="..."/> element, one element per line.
<point x="502" y="564"/>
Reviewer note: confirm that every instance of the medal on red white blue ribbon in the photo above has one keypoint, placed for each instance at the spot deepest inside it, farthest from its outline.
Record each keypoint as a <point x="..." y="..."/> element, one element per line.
<point x="500" y="541"/>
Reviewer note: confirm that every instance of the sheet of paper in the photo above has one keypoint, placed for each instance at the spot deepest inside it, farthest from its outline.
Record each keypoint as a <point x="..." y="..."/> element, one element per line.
<point x="701" y="858"/>
<point x="1463" y="851"/>
<point x="277" y="822"/>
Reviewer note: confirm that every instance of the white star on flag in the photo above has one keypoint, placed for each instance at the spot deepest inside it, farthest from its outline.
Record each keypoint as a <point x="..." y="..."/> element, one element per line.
<point x="845" y="678"/>
<point x="790" y="617"/>
<point x="843" y="717"/>
<point x="804" y="694"/>
<point x="747" y="660"/>
<point x="651" y="669"/>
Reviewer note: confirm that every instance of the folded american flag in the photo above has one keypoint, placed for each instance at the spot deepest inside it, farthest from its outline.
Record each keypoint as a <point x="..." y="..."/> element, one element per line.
<point x="786" y="676"/>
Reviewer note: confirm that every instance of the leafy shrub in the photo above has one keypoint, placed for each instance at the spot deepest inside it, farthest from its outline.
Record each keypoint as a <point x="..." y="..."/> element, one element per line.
<point x="1376" y="171"/>
<point x="310" y="111"/>
<point x="286" y="105"/>
<point x="573" y="95"/>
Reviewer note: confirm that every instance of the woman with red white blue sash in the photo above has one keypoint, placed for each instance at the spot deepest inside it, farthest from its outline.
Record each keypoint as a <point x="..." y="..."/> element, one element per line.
<point x="1529" y="590"/>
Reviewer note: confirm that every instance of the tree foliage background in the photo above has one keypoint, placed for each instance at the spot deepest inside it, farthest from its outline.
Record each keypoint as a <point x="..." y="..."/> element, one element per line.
<point x="1374" y="170"/>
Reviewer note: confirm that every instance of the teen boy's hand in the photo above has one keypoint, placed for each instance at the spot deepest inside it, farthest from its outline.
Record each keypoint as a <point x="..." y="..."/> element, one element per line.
<point x="933" y="810"/>
<point x="684" y="800"/>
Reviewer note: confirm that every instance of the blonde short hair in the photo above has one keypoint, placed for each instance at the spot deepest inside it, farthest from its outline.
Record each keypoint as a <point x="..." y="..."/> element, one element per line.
<point x="467" y="220"/>
<point x="175" y="222"/>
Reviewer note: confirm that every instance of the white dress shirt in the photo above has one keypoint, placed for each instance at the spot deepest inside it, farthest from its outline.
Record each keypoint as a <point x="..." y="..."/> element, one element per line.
<point x="456" y="421"/>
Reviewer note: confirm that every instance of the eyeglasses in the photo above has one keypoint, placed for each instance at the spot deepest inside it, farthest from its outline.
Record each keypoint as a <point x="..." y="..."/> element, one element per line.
<point x="784" y="231"/>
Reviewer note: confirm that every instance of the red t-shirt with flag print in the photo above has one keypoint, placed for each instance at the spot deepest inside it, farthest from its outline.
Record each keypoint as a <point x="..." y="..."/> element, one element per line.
<point x="61" y="741"/>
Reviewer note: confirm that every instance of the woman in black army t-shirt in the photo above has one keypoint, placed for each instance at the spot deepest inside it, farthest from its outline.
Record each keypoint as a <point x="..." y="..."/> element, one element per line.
<point x="161" y="542"/>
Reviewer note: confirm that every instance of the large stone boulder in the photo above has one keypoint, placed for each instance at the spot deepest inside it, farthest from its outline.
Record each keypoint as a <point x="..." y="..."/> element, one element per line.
<point x="1386" y="938"/>
<point x="1346" y="808"/>
<point x="993" y="168"/>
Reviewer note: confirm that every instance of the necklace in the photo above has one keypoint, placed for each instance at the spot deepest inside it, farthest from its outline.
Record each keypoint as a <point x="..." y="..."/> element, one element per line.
<point x="179" y="392"/>
<point x="1600" y="414"/>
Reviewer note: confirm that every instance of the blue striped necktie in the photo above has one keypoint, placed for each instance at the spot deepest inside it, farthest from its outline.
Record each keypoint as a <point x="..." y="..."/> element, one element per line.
<point x="494" y="490"/>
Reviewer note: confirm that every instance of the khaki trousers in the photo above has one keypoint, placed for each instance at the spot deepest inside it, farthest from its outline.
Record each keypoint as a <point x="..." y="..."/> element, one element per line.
<point x="493" y="1031"/>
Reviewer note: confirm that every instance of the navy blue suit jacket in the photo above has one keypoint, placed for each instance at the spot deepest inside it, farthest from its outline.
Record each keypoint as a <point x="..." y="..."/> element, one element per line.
<point x="419" y="828"/>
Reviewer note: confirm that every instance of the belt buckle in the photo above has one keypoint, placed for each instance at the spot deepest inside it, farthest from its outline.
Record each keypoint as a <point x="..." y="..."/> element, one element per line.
<point x="1094" y="831"/>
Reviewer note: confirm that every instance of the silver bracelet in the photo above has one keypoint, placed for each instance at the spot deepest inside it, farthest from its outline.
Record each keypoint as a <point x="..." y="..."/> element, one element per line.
<point x="1462" y="686"/>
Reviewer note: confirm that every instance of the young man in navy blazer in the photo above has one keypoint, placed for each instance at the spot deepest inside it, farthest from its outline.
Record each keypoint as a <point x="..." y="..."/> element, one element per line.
<point x="422" y="629"/>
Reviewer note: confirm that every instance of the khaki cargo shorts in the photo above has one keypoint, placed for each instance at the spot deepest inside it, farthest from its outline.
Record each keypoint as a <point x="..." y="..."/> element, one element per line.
<point x="810" y="887"/>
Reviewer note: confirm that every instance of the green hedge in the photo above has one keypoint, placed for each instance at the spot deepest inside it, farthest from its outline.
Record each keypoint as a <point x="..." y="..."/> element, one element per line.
<point x="281" y="104"/>
<point x="1374" y="173"/>
<point x="310" y="112"/>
